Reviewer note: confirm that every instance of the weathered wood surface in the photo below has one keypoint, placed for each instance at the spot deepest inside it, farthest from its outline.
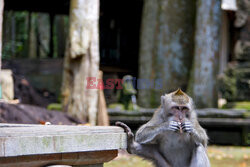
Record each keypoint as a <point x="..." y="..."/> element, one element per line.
<point x="24" y="145"/>
<point x="18" y="140"/>
<point x="75" y="159"/>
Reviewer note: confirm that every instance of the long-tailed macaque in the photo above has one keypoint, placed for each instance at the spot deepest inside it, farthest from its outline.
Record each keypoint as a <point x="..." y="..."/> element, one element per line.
<point x="173" y="137"/>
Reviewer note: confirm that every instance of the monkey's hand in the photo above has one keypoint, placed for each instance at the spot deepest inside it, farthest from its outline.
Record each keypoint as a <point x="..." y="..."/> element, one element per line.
<point x="187" y="127"/>
<point x="174" y="126"/>
<point x="130" y="138"/>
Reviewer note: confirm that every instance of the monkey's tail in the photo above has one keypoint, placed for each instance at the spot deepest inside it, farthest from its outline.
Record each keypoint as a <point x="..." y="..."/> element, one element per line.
<point x="124" y="126"/>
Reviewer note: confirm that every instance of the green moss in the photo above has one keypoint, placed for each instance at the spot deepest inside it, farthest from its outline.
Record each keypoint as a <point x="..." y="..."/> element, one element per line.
<point x="45" y="141"/>
<point x="247" y="114"/>
<point x="242" y="105"/>
<point x="117" y="106"/>
<point x="55" y="106"/>
<point x="238" y="105"/>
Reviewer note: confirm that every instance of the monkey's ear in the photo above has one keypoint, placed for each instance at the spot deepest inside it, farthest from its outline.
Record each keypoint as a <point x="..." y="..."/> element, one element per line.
<point x="162" y="100"/>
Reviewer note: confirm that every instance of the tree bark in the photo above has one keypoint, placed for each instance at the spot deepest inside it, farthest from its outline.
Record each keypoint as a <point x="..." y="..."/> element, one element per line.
<point x="81" y="60"/>
<point x="202" y="84"/>
<point x="1" y="25"/>
<point x="166" y="47"/>
<point x="44" y="35"/>
<point x="32" y="35"/>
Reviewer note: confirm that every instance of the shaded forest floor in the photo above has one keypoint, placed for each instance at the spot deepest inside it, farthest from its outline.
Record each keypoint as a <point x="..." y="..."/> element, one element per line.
<point x="220" y="156"/>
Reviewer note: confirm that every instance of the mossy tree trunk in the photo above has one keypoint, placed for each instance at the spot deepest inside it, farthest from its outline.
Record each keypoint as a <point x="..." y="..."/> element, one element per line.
<point x="202" y="85"/>
<point x="166" y="47"/>
<point x="81" y="60"/>
<point x="1" y="25"/>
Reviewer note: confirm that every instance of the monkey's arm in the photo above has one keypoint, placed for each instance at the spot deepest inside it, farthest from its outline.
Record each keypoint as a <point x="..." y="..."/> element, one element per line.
<point x="196" y="131"/>
<point x="148" y="151"/>
<point x="147" y="134"/>
<point x="199" y="135"/>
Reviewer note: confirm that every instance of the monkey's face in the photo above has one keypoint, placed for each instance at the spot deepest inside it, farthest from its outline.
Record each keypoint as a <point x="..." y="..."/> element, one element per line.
<point x="177" y="105"/>
<point x="180" y="112"/>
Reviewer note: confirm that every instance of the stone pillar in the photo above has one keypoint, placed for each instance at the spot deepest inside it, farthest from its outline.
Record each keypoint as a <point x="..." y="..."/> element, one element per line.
<point x="235" y="82"/>
<point x="202" y="85"/>
<point x="166" y="48"/>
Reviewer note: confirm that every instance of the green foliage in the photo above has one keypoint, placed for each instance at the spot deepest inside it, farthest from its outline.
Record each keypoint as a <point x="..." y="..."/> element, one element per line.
<point x="238" y="105"/>
<point x="17" y="26"/>
<point x="227" y="84"/>
<point x="15" y="34"/>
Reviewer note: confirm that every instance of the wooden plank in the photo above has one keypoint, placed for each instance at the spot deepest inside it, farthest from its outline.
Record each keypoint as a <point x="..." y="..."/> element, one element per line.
<point x="76" y="158"/>
<point x="37" y="139"/>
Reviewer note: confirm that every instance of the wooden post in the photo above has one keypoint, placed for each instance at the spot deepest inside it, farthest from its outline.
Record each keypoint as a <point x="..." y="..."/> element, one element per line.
<point x="82" y="61"/>
<point x="102" y="116"/>
<point x="202" y="85"/>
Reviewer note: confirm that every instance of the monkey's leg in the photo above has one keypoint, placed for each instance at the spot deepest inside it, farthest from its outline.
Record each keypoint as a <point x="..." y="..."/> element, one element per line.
<point x="150" y="152"/>
<point x="147" y="151"/>
<point x="199" y="157"/>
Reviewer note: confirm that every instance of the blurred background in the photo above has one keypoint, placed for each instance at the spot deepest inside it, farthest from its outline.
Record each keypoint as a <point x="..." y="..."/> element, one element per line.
<point x="134" y="51"/>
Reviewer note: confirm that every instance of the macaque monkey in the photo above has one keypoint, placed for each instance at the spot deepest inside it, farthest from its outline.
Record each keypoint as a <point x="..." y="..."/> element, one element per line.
<point x="173" y="137"/>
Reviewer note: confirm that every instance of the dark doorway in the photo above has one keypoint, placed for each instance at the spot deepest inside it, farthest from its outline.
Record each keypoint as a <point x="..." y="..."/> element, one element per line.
<point x="119" y="35"/>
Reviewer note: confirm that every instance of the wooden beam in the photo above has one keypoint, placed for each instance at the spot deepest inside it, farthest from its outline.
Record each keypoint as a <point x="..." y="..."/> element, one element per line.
<point x="76" y="158"/>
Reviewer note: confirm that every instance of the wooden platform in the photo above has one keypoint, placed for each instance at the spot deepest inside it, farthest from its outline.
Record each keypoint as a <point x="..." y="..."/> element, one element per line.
<point x="40" y="145"/>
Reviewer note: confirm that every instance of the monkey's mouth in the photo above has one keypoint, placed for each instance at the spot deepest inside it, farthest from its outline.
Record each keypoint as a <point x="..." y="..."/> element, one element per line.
<point x="180" y="128"/>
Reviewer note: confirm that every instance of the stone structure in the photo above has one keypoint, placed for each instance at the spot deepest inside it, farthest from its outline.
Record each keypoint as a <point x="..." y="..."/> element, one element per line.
<point x="235" y="85"/>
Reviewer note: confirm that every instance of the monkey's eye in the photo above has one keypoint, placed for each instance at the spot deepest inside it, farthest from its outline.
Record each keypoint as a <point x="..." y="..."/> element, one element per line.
<point x="175" y="108"/>
<point x="169" y="114"/>
<point x="185" y="109"/>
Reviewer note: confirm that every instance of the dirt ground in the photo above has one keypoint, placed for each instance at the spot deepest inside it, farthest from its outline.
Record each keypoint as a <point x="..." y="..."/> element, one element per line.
<point x="220" y="156"/>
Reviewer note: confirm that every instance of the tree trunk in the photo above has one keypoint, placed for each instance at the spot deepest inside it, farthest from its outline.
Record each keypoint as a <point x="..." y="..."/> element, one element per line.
<point x="202" y="84"/>
<point x="32" y="35"/>
<point x="44" y="34"/>
<point x="1" y="25"/>
<point x="166" y="48"/>
<point x="81" y="60"/>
